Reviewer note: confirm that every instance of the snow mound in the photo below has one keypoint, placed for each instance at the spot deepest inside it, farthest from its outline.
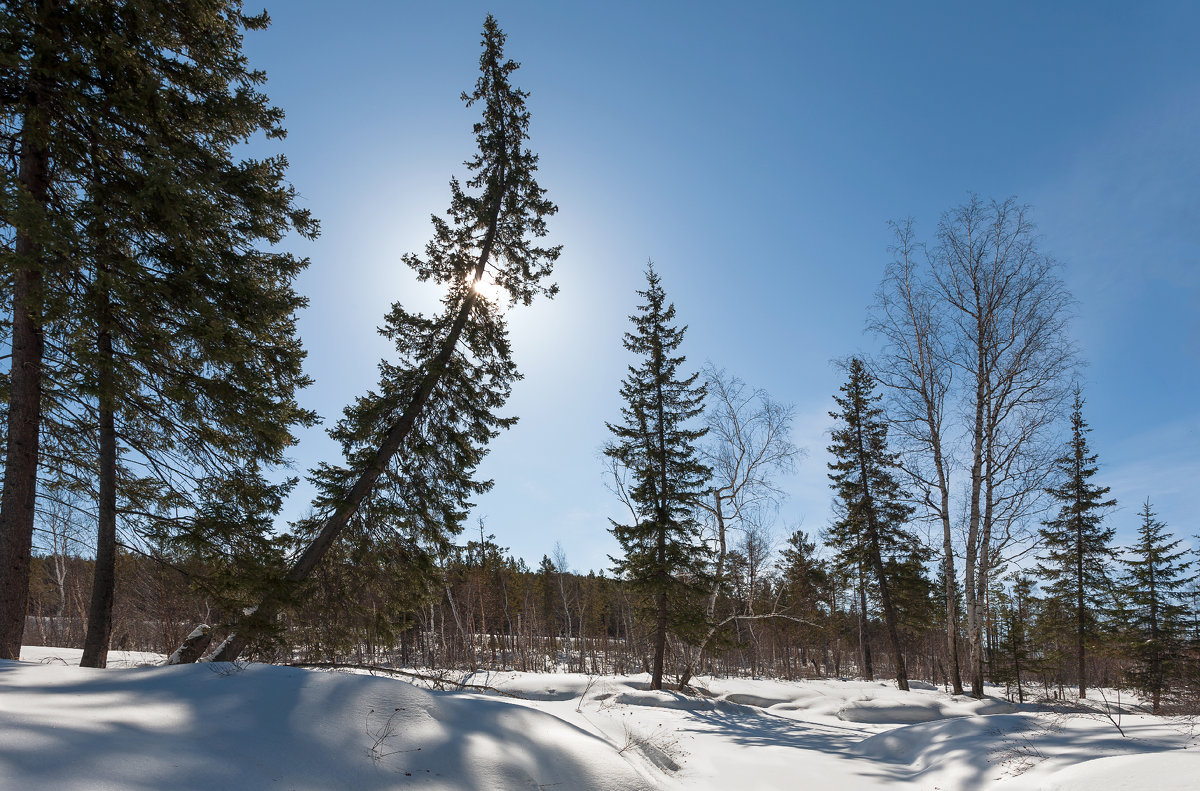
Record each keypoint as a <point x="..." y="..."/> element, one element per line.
<point x="923" y="743"/>
<point x="1175" y="770"/>
<point x="664" y="700"/>
<point x="758" y="701"/>
<point x="890" y="711"/>
<point x="919" y="708"/>
<point x="255" y="726"/>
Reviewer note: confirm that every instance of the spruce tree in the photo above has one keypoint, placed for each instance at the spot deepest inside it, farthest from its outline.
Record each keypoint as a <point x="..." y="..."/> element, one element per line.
<point x="411" y="447"/>
<point x="170" y="359"/>
<point x="1076" y="547"/>
<point x="1013" y="609"/>
<point x="665" y="557"/>
<point x="185" y="302"/>
<point x="913" y="591"/>
<point x="803" y="576"/>
<point x="871" y="510"/>
<point x="35" y="86"/>
<point x="1153" y="586"/>
<point x="804" y="585"/>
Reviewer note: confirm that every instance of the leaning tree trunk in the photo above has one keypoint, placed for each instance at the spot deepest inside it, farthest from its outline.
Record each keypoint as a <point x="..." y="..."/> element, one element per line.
<point x="265" y="612"/>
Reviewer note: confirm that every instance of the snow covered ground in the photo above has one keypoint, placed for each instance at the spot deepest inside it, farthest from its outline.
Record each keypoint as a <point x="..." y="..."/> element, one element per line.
<point x="259" y="727"/>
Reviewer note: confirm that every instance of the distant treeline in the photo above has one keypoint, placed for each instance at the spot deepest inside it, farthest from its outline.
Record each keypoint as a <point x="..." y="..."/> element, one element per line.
<point x="482" y="609"/>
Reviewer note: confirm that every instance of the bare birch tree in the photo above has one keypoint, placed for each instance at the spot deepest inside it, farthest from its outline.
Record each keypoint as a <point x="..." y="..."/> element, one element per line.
<point x="748" y="444"/>
<point x="976" y="339"/>
<point x="916" y="370"/>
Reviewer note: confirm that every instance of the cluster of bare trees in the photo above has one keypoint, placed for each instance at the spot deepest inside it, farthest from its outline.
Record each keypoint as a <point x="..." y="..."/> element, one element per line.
<point x="977" y="360"/>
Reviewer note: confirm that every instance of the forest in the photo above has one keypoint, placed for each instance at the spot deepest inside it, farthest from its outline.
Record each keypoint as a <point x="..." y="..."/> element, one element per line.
<point x="153" y="386"/>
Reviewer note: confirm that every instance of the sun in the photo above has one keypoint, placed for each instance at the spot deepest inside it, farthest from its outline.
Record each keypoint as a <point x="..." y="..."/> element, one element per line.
<point x="489" y="289"/>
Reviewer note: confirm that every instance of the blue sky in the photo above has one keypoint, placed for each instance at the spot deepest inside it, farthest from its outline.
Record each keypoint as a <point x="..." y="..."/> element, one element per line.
<point x="755" y="153"/>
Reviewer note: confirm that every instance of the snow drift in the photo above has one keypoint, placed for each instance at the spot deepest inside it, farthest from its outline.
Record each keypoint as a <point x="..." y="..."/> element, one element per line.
<point x="222" y="726"/>
<point x="258" y="727"/>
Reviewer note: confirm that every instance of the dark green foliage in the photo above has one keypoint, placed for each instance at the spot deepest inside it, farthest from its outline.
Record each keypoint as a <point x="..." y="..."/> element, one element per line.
<point x="171" y="357"/>
<point x="425" y="488"/>
<point x="804" y="586"/>
<point x="1076" y="550"/>
<point x="1014" y="608"/>
<point x="1156" y="618"/>
<point x="363" y="596"/>
<point x="915" y="595"/>
<point x="802" y="573"/>
<point x="665" y="558"/>
<point x="870" y="505"/>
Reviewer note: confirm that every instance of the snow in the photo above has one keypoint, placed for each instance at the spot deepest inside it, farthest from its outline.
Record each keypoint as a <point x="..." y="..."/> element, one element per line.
<point x="214" y="726"/>
<point x="1173" y="771"/>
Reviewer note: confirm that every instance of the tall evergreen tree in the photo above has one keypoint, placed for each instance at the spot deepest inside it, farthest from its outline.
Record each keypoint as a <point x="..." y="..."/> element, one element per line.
<point x="182" y="298"/>
<point x="36" y="86"/>
<point x="170" y="358"/>
<point x="871" y="508"/>
<point x="664" y="553"/>
<point x="412" y="446"/>
<point x="1154" y="582"/>
<point x="1076" y="547"/>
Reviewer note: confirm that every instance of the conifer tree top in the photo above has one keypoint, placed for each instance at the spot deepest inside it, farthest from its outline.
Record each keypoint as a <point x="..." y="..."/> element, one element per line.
<point x="495" y="221"/>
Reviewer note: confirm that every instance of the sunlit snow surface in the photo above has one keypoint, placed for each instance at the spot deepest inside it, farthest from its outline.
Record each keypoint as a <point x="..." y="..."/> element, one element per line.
<point x="253" y="726"/>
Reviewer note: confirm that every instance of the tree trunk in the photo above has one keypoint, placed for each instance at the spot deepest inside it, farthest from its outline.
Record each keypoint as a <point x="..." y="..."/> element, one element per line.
<point x="663" y="515"/>
<point x="983" y="641"/>
<point x="193" y="646"/>
<point x="695" y="657"/>
<point x="889" y="616"/>
<point x="18" y="499"/>
<point x="864" y="645"/>
<point x="99" y="628"/>
<point x="1079" y="611"/>
<point x="950" y="581"/>
<point x="975" y="549"/>
<point x="1017" y="673"/>
<point x="660" y="641"/>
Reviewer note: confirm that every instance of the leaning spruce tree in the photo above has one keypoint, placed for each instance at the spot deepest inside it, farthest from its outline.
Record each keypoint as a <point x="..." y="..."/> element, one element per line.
<point x="1076" y="545"/>
<point x="871" y="505"/>
<point x="665" y="558"/>
<point x="411" y="446"/>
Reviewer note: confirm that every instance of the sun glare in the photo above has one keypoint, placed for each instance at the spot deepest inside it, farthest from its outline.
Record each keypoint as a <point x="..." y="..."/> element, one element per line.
<point x="487" y="288"/>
